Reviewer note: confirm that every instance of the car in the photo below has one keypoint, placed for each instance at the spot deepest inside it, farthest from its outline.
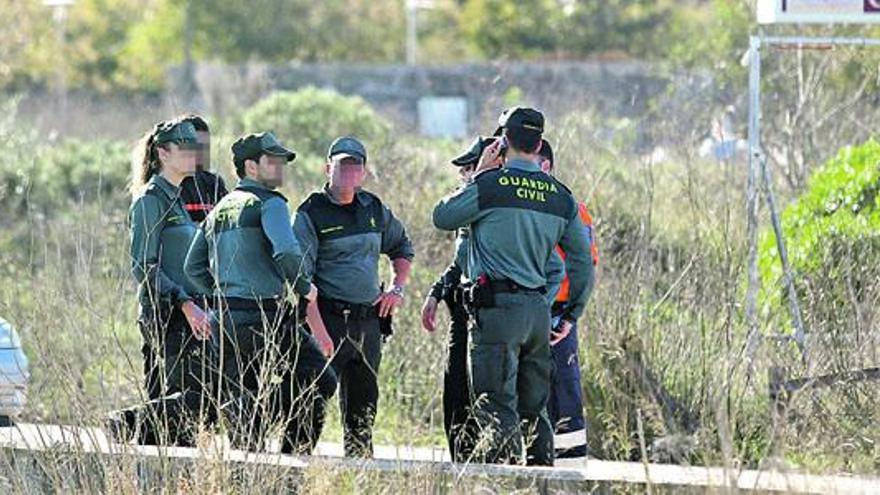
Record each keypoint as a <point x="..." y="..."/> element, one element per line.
<point x="14" y="375"/>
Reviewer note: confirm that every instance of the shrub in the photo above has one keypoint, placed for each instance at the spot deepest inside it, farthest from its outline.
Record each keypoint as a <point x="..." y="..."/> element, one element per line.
<point x="832" y="235"/>
<point x="309" y="119"/>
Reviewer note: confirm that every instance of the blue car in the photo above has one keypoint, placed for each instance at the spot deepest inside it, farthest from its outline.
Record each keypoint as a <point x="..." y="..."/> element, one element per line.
<point x="14" y="374"/>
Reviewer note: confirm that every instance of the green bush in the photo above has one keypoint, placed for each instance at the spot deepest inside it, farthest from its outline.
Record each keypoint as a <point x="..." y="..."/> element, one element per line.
<point x="832" y="235"/>
<point x="19" y="147"/>
<point x="85" y="171"/>
<point x="309" y="119"/>
<point x="46" y="176"/>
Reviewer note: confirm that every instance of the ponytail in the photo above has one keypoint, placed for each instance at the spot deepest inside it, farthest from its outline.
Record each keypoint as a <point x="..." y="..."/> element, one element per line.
<point x="144" y="162"/>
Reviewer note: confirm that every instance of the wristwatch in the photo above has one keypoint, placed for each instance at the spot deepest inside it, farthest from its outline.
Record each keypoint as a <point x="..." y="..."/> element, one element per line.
<point x="397" y="290"/>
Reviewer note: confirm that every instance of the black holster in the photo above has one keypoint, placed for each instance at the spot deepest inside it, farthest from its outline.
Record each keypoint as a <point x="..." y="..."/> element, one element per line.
<point x="480" y="294"/>
<point x="386" y="327"/>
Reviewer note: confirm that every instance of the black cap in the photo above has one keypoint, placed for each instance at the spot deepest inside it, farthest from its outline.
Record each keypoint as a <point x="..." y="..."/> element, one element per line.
<point x="546" y="151"/>
<point x="175" y="131"/>
<point x="527" y="119"/>
<point x="264" y="143"/>
<point x="348" y="146"/>
<point x="473" y="154"/>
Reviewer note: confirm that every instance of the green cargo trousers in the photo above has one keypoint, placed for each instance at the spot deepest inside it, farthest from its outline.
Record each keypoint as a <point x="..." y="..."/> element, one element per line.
<point x="510" y="366"/>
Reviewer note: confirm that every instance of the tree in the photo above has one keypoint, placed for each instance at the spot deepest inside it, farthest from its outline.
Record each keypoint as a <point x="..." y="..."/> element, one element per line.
<point x="566" y="28"/>
<point x="26" y="52"/>
<point x="96" y="33"/>
<point x="286" y="30"/>
<point x="502" y="28"/>
<point x="637" y="29"/>
<point x="151" y="46"/>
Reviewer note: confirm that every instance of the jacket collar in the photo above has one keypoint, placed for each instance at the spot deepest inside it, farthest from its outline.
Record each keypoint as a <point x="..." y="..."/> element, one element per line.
<point x="360" y="196"/>
<point x="167" y="188"/>
<point x="521" y="164"/>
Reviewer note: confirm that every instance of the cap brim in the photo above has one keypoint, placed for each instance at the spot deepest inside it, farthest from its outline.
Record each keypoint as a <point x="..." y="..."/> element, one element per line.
<point x="465" y="160"/>
<point x="344" y="154"/>
<point x="280" y="151"/>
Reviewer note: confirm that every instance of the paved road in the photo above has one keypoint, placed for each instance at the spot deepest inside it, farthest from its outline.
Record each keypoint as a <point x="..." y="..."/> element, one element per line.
<point x="40" y="437"/>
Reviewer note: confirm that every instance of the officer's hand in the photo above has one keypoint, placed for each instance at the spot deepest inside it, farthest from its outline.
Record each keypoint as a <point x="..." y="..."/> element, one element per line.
<point x="199" y="320"/>
<point x="561" y="332"/>
<point x="319" y="331"/>
<point x="388" y="302"/>
<point x="491" y="157"/>
<point x="429" y="313"/>
<point x="325" y="343"/>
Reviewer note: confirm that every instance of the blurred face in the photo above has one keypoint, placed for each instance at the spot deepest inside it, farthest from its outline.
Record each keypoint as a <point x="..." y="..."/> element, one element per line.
<point x="346" y="173"/>
<point x="203" y="157"/>
<point x="465" y="172"/>
<point x="270" y="170"/>
<point x="177" y="159"/>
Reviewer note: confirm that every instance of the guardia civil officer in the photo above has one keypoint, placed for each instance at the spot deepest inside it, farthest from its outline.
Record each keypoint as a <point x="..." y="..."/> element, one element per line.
<point x="175" y="330"/>
<point x="245" y="252"/>
<point x="566" y="402"/>
<point x="517" y="215"/>
<point x="343" y="231"/>
<point x="458" y="422"/>
<point x="201" y="191"/>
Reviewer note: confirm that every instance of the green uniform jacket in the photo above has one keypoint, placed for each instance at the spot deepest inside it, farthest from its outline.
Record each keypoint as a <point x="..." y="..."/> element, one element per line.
<point x="161" y="232"/>
<point x="342" y="244"/>
<point x="518" y="215"/>
<point x="245" y="248"/>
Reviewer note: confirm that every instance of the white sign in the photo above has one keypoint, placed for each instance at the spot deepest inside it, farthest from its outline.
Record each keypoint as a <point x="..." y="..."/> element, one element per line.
<point x="819" y="11"/>
<point x="443" y="116"/>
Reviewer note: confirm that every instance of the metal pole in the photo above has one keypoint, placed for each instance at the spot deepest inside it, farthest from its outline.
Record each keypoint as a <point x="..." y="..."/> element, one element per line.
<point x="752" y="193"/>
<point x="757" y="159"/>
<point x="188" y="71"/>
<point x="60" y="17"/>
<point x="794" y="305"/>
<point x="411" y="32"/>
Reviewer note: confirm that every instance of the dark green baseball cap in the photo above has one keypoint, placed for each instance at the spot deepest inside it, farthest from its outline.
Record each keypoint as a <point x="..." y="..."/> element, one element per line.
<point x="264" y="143"/>
<point x="521" y="118"/>
<point x="473" y="154"/>
<point x="176" y="131"/>
<point x="348" y="146"/>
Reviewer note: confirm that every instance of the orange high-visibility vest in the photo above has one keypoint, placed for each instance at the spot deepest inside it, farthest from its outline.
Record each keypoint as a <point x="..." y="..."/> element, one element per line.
<point x="562" y="296"/>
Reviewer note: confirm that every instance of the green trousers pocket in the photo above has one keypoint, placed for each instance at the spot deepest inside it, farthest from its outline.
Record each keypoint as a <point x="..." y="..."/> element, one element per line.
<point x="488" y="368"/>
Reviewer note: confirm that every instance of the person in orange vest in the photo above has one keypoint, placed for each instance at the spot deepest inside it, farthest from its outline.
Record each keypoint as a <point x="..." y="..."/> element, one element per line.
<point x="566" y="404"/>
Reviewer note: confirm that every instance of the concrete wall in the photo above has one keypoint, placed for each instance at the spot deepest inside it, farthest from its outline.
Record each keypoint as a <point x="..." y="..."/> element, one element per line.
<point x="613" y="88"/>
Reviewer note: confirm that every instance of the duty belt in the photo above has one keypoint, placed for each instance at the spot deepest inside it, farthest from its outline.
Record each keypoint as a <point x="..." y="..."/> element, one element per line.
<point x="511" y="287"/>
<point x="350" y="311"/>
<point x="245" y="304"/>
